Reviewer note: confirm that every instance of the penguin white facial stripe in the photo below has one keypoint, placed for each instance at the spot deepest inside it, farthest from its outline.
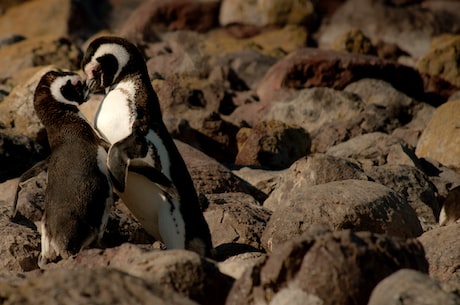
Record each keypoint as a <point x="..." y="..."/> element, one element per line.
<point x="60" y="82"/>
<point x="161" y="151"/>
<point x="118" y="51"/>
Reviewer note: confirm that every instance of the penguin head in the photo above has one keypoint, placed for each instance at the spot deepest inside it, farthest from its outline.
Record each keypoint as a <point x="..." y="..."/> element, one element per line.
<point x="109" y="59"/>
<point x="65" y="87"/>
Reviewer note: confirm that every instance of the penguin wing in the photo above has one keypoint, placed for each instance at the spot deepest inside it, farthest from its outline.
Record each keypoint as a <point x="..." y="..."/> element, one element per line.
<point x="132" y="154"/>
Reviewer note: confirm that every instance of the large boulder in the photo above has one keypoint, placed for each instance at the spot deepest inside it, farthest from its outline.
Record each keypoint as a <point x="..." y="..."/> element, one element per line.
<point x="349" y="204"/>
<point x="338" y="268"/>
<point x="440" y="139"/>
<point x="414" y="287"/>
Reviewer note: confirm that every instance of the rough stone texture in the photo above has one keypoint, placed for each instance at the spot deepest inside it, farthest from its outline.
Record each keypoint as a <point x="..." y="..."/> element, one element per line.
<point x="312" y="67"/>
<point x="264" y="180"/>
<point x="20" y="247"/>
<point x="39" y="51"/>
<point x="411" y="27"/>
<point x="440" y="139"/>
<point x="340" y="268"/>
<point x="86" y="286"/>
<point x="414" y="186"/>
<point x="155" y="16"/>
<point x="236" y="265"/>
<point x="273" y="144"/>
<point x="375" y="148"/>
<point x="265" y="12"/>
<point x="412" y="288"/>
<point x="312" y="170"/>
<point x="179" y="271"/>
<point x="354" y="41"/>
<point x="442" y="59"/>
<point x="56" y="17"/>
<point x="442" y="247"/>
<point x="236" y="218"/>
<point x="411" y="132"/>
<point x="313" y="108"/>
<point x="17" y="109"/>
<point x="211" y="177"/>
<point x="349" y="204"/>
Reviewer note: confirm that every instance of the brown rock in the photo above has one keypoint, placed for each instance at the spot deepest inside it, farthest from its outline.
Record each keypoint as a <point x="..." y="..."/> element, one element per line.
<point x="83" y="286"/>
<point x="441" y="60"/>
<point x="236" y="218"/>
<point x="349" y="204"/>
<point x="375" y="148"/>
<point x="211" y="177"/>
<point x="173" y="271"/>
<point x="77" y="19"/>
<point x="414" y="186"/>
<point x="442" y="247"/>
<point x="273" y="144"/>
<point x="312" y="67"/>
<point x="339" y="268"/>
<point x="309" y="171"/>
<point x="411" y="27"/>
<point x="151" y="17"/>
<point x="354" y="41"/>
<point x="413" y="287"/>
<point x="440" y="139"/>
<point x="20" y="246"/>
<point x="264" y="180"/>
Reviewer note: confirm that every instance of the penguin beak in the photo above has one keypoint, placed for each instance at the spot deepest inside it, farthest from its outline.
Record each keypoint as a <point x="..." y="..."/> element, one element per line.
<point x="92" y="85"/>
<point x="86" y="92"/>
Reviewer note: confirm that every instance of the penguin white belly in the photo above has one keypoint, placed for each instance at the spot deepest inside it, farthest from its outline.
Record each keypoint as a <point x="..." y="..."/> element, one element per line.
<point x="115" y="117"/>
<point x="152" y="209"/>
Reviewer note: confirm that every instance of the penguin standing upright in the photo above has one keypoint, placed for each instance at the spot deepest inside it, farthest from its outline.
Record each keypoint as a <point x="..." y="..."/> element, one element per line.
<point x="147" y="170"/>
<point x="78" y="196"/>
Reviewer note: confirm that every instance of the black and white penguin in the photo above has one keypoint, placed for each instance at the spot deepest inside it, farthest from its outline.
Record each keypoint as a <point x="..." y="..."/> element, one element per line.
<point x="147" y="170"/>
<point x="78" y="196"/>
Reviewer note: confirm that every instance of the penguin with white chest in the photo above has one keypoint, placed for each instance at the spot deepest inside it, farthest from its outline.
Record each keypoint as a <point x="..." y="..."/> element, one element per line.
<point x="78" y="196"/>
<point x="147" y="170"/>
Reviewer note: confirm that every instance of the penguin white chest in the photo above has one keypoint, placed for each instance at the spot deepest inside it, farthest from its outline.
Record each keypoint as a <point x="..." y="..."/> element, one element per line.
<point x="116" y="114"/>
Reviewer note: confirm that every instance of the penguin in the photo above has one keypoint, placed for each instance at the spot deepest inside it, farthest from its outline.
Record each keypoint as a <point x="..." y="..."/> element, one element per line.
<point x="148" y="173"/>
<point x="78" y="196"/>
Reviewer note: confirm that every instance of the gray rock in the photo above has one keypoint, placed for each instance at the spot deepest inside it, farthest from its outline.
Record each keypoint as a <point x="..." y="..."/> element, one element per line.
<point x="375" y="148"/>
<point x="273" y="144"/>
<point x="349" y="204"/>
<point x="339" y="268"/>
<point x="412" y="288"/>
<point x="264" y="180"/>
<point x="236" y="218"/>
<point x="442" y="247"/>
<point x="295" y="296"/>
<point x="211" y="177"/>
<point x="410" y="27"/>
<point x="177" y="271"/>
<point x="236" y="265"/>
<point x="309" y="171"/>
<point x="313" y="108"/>
<point x="412" y="184"/>
<point x="82" y="285"/>
<point x="20" y="244"/>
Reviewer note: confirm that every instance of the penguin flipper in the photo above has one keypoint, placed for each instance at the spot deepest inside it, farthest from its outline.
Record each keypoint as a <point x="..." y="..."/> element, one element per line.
<point x="131" y="154"/>
<point x="154" y="175"/>
<point x="30" y="173"/>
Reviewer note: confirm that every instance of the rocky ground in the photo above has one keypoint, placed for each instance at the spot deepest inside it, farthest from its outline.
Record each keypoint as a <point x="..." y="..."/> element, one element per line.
<point x="322" y="137"/>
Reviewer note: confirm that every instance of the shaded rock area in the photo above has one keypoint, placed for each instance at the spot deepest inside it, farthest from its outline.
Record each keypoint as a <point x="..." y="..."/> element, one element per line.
<point x="321" y="137"/>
